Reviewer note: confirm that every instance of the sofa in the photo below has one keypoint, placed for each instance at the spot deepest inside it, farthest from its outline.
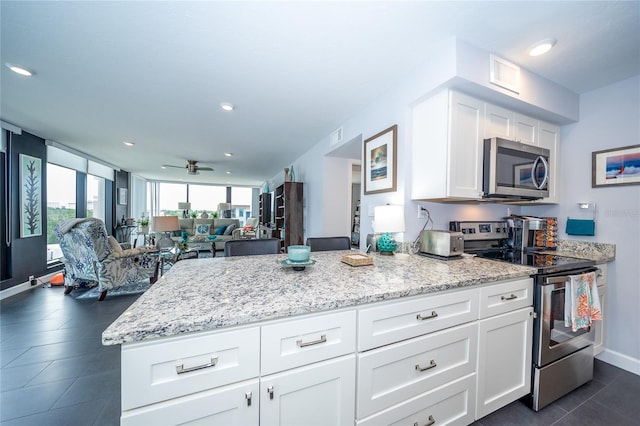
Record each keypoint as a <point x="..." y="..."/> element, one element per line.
<point x="198" y="231"/>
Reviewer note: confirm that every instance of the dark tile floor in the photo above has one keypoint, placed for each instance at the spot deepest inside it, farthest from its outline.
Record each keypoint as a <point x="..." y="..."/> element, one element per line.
<point x="55" y="371"/>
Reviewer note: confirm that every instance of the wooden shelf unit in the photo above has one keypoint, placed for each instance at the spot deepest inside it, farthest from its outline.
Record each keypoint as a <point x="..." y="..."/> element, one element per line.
<point x="265" y="208"/>
<point x="288" y="214"/>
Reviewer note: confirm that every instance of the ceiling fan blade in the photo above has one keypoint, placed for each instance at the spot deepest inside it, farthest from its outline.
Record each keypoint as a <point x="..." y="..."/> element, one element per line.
<point x="177" y="167"/>
<point x="205" y="168"/>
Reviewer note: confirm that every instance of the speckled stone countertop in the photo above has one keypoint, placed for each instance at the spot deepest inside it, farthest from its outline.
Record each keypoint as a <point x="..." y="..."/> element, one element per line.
<point x="207" y="294"/>
<point x="599" y="252"/>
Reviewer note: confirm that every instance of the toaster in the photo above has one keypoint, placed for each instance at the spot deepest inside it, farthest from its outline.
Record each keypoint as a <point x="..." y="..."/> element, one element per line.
<point x="441" y="243"/>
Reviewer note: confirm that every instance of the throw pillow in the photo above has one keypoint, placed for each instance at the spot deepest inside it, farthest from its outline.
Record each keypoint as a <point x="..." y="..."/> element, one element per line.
<point x="229" y="229"/>
<point x="221" y="230"/>
<point x="247" y="228"/>
<point x="114" y="245"/>
<point x="202" y="229"/>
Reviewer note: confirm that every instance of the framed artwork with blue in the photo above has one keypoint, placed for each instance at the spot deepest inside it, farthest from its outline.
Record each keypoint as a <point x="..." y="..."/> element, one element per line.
<point x="614" y="167"/>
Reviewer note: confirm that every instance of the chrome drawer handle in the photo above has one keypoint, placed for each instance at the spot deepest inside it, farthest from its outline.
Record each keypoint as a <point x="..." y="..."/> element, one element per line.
<point x="248" y="397"/>
<point x="322" y="339"/>
<point x="431" y="422"/>
<point x="431" y="365"/>
<point x="421" y="318"/>
<point x="513" y="296"/>
<point x="270" y="392"/>
<point x="180" y="368"/>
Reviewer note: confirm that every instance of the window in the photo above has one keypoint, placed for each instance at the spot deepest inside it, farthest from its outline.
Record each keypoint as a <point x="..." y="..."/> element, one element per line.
<point x="61" y="204"/>
<point x="170" y="194"/>
<point x="96" y="199"/>
<point x="206" y="197"/>
<point x="241" y="203"/>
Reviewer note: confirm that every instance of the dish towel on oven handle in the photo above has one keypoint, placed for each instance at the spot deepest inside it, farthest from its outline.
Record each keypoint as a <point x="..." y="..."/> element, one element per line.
<point x="581" y="301"/>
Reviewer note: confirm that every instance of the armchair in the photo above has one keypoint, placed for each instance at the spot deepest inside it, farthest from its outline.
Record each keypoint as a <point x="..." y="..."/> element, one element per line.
<point x="91" y="257"/>
<point x="249" y="230"/>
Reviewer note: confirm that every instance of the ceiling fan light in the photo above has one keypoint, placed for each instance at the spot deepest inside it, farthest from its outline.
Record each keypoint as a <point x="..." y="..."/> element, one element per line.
<point x="542" y="47"/>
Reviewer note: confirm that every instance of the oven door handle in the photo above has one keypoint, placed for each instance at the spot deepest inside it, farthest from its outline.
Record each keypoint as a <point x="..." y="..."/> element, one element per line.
<point x="565" y="278"/>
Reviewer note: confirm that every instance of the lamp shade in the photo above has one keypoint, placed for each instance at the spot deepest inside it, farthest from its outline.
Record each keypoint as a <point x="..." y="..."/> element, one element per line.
<point x="165" y="223"/>
<point x="184" y="206"/>
<point x="224" y="206"/>
<point x="388" y="218"/>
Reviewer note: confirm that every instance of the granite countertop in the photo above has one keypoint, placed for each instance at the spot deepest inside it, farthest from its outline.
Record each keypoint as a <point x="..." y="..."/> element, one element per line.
<point x="208" y="294"/>
<point x="598" y="252"/>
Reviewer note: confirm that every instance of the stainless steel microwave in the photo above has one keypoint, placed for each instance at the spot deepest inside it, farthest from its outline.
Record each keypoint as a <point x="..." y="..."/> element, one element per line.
<point x="514" y="170"/>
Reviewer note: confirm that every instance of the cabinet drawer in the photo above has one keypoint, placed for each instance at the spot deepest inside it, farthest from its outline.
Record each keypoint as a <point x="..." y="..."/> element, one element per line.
<point x="395" y="373"/>
<point x="184" y="365"/>
<point x="299" y="342"/>
<point x="453" y="404"/>
<point x="228" y="405"/>
<point x="504" y="297"/>
<point x="398" y="321"/>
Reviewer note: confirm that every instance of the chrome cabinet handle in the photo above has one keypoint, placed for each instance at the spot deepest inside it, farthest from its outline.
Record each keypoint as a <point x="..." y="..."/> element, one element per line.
<point x="429" y="423"/>
<point x="181" y="370"/>
<point x="270" y="392"/>
<point x="513" y="296"/>
<point x="322" y="339"/>
<point x="248" y="396"/>
<point x="421" y="318"/>
<point x="431" y="365"/>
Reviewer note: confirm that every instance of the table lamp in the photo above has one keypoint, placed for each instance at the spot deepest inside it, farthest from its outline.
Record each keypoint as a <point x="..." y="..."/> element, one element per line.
<point x="185" y="207"/>
<point x="386" y="220"/>
<point x="224" y="208"/>
<point x="165" y="224"/>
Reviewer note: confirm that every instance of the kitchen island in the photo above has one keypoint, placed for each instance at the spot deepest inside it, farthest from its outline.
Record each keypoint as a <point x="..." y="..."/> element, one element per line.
<point x="247" y="340"/>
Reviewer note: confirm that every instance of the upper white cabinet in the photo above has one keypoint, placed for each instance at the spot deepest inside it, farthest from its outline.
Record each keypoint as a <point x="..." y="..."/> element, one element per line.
<point x="449" y="129"/>
<point x="447" y="147"/>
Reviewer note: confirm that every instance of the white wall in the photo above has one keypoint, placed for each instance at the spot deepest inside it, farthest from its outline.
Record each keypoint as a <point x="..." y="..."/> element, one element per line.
<point x="609" y="119"/>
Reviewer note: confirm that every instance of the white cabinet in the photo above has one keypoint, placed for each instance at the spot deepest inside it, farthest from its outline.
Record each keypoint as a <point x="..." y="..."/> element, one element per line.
<point x="549" y="138"/>
<point x="499" y="122"/>
<point x="505" y="333"/>
<point x="448" y="131"/>
<point x="228" y="405"/>
<point x="525" y="129"/>
<point x="317" y="394"/>
<point x="601" y="280"/>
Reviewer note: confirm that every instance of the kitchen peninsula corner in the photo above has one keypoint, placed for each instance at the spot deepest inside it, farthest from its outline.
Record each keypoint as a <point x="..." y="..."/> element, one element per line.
<point x="201" y="335"/>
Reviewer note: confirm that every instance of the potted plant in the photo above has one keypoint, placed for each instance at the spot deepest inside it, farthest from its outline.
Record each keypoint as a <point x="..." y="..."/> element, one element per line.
<point x="193" y="214"/>
<point x="143" y="223"/>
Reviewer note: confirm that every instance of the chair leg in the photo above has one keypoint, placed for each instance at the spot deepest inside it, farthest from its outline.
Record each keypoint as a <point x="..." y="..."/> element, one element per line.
<point x="68" y="289"/>
<point x="103" y="294"/>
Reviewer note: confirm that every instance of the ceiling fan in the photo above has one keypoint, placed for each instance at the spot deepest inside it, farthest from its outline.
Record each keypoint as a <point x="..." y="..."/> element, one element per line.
<point x="192" y="167"/>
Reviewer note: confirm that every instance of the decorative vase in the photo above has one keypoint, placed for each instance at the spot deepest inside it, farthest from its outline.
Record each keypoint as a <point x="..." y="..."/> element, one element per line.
<point x="204" y="215"/>
<point x="287" y="176"/>
<point x="185" y="236"/>
<point x="292" y="174"/>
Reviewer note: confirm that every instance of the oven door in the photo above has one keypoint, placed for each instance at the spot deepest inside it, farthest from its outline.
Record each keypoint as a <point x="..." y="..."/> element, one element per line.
<point x="552" y="340"/>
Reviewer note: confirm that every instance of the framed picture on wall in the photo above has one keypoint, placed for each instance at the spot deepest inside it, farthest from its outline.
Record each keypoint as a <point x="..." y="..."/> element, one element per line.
<point x="380" y="173"/>
<point x="618" y="166"/>
<point x="30" y="196"/>
<point x="122" y="196"/>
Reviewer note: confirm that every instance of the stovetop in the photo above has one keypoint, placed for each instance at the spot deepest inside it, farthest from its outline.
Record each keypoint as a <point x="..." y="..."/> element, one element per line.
<point x="545" y="262"/>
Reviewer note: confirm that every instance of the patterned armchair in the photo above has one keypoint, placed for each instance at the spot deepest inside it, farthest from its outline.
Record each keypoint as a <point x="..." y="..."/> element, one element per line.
<point x="91" y="257"/>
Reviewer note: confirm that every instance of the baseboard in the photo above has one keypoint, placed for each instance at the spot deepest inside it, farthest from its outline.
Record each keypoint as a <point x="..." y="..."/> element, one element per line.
<point x="625" y="362"/>
<point x="16" y="289"/>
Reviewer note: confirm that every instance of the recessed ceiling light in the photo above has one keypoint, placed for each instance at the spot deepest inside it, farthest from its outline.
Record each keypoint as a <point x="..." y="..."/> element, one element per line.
<point x="127" y="143"/>
<point x="19" y="69"/>
<point x="163" y="167"/>
<point x="541" y="47"/>
<point x="227" y="106"/>
<point x="228" y="172"/>
<point x="228" y="154"/>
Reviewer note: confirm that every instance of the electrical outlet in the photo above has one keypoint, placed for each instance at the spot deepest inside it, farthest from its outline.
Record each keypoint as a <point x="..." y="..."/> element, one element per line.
<point x="422" y="212"/>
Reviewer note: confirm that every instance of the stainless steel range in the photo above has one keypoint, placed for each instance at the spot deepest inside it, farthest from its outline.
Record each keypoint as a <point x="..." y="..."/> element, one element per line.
<point x="562" y="358"/>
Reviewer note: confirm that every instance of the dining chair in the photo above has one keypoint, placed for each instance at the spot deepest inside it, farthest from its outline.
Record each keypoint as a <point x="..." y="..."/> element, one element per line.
<point x="252" y="247"/>
<point x="329" y="243"/>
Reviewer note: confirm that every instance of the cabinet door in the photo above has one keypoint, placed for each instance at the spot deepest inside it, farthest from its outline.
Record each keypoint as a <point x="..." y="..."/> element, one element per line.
<point x="504" y="360"/>
<point x="549" y="138"/>
<point x="230" y="405"/>
<point x="498" y="122"/>
<point x="466" y="130"/>
<point x="318" y="394"/>
<point x="525" y="129"/>
<point x="598" y="338"/>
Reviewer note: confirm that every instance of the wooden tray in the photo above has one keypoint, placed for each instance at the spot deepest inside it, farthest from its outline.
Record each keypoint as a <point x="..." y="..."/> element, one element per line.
<point x="357" y="259"/>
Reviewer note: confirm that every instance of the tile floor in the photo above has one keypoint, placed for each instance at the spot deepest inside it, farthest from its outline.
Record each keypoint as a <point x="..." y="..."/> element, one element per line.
<point x="55" y="371"/>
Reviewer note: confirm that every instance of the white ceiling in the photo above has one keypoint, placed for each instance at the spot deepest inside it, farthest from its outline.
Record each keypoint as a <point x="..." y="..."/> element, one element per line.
<point x="155" y="72"/>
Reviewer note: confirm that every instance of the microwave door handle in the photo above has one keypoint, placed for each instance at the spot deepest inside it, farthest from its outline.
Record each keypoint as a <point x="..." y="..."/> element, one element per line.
<point x="534" y="175"/>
